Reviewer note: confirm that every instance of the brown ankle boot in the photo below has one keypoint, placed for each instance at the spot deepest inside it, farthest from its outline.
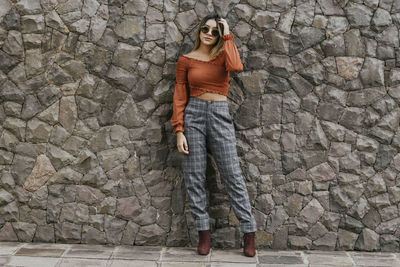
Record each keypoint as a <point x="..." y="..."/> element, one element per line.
<point x="249" y="245"/>
<point x="204" y="242"/>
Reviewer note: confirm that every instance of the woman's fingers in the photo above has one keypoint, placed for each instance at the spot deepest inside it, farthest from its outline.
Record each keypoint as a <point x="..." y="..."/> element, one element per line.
<point x="185" y="146"/>
<point x="225" y="24"/>
<point x="182" y="146"/>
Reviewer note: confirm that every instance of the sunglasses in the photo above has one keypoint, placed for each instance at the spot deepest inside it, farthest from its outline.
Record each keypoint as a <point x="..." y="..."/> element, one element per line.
<point x="205" y="29"/>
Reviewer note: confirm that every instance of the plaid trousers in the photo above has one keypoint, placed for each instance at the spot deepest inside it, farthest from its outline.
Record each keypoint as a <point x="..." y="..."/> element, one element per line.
<point x="208" y="123"/>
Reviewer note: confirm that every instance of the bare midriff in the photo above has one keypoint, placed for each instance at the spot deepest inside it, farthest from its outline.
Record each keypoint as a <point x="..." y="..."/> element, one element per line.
<point x="212" y="96"/>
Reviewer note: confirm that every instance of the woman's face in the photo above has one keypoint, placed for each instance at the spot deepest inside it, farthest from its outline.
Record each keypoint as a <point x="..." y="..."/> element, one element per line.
<point x="208" y="38"/>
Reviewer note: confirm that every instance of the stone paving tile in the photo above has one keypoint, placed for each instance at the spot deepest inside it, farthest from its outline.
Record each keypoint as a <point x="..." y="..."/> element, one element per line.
<point x="231" y="264"/>
<point x="146" y="253"/>
<point x="40" y="252"/>
<point x="280" y="259"/>
<point x="9" y="248"/>
<point x="132" y="263"/>
<point x="280" y="253"/>
<point x="186" y="254"/>
<point x="72" y="262"/>
<point x="231" y="255"/>
<point x="376" y="262"/>
<point x="331" y="258"/>
<point x="47" y="245"/>
<point x="327" y="252"/>
<point x="184" y="264"/>
<point x="27" y="261"/>
<point x="4" y="260"/>
<point x="89" y="251"/>
<point x="374" y="259"/>
<point x="283" y="265"/>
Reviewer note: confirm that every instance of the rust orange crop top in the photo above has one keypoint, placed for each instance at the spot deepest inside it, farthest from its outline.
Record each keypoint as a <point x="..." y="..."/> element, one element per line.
<point x="203" y="76"/>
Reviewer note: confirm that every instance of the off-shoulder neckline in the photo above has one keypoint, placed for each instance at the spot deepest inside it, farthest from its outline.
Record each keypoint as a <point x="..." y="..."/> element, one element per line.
<point x="204" y="61"/>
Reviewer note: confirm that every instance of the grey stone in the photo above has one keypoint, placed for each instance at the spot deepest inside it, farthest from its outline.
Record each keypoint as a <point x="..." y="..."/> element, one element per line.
<point x="68" y="232"/>
<point x="276" y="41"/>
<point x="265" y="19"/>
<point x="286" y="20"/>
<point x="358" y="15"/>
<point x="384" y="157"/>
<point x="368" y="240"/>
<point x="129" y="233"/>
<point x="317" y="137"/>
<point x="242" y="119"/>
<point x="327" y="242"/>
<point x="312" y="212"/>
<point x="381" y="18"/>
<point x="44" y="234"/>
<point x="264" y="203"/>
<point x="372" y="72"/>
<point x="336" y="25"/>
<point x="365" y="97"/>
<point x="276" y="219"/>
<point x="300" y="242"/>
<point x="128" y="208"/>
<point x="244" y="11"/>
<point x="334" y="46"/>
<point x="131" y="28"/>
<point x="126" y="56"/>
<point x="346" y="239"/>
<point x="186" y="20"/>
<point x="136" y="7"/>
<point x="354" y="45"/>
<point x="314" y="73"/>
<point x="32" y="23"/>
<point x="280" y="65"/>
<point x="150" y="235"/>
<point x="114" y="229"/>
<point x="92" y="235"/>
<point x="300" y="85"/>
<point x="13" y="45"/>
<point x="7" y="62"/>
<point x="321" y="173"/>
<point x="88" y="195"/>
<point x="331" y="220"/>
<point x="317" y="230"/>
<point x="309" y="35"/>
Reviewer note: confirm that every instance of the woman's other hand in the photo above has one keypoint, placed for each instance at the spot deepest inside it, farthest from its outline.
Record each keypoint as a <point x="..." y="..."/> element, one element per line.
<point x="182" y="143"/>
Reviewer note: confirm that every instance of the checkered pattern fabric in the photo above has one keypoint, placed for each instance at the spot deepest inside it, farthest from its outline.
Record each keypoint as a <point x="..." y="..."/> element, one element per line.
<point x="208" y="124"/>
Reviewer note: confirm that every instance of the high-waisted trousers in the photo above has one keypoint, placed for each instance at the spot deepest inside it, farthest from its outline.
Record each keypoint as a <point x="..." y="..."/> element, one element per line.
<point x="208" y="124"/>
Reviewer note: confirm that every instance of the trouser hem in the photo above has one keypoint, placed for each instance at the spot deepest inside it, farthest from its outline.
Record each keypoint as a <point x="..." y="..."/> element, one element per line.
<point x="248" y="228"/>
<point x="202" y="225"/>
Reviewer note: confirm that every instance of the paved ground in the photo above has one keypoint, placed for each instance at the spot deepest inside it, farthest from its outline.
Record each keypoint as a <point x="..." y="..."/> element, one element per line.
<point x="46" y="254"/>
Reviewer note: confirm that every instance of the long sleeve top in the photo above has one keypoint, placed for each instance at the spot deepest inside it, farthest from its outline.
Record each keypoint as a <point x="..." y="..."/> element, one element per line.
<point x="196" y="76"/>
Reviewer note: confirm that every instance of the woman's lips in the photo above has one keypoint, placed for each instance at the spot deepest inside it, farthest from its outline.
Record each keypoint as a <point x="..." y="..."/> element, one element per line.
<point x="208" y="39"/>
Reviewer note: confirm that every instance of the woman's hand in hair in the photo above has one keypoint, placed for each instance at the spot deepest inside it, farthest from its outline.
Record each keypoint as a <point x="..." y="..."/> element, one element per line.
<point x="226" y="26"/>
<point x="182" y="143"/>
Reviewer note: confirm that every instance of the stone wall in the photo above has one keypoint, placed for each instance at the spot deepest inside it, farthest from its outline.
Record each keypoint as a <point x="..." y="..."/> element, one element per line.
<point x="87" y="153"/>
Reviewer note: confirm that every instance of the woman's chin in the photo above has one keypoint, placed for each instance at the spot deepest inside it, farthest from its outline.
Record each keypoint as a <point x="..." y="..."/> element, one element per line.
<point x="206" y="42"/>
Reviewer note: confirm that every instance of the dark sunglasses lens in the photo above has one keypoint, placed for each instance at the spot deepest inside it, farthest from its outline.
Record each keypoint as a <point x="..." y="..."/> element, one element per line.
<point x="204" y="29"/>
<point x="215" y="33"/>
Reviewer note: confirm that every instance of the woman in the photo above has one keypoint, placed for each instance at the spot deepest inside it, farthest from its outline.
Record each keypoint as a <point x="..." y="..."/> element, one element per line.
<point x="201" y="119"/>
